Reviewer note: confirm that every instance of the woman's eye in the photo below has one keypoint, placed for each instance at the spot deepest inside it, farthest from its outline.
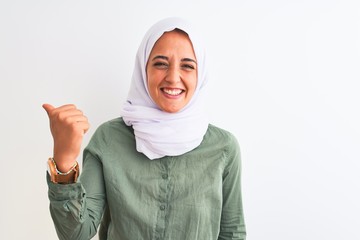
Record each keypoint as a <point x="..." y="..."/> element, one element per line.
<point x="188" y="66"/>
<point x="160" y="64"/>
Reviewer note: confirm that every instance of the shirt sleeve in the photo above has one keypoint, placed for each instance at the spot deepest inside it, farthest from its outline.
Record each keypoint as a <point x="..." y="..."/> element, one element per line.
<point x="232" y="224"/>
<point x="76" y="209"/>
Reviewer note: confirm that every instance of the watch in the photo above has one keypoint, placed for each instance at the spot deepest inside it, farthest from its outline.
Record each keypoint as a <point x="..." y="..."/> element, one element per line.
<point x="62" y="178"/>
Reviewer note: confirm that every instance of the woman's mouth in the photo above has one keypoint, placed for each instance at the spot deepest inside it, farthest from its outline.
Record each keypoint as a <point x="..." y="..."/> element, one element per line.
<point x="172" y="91"/>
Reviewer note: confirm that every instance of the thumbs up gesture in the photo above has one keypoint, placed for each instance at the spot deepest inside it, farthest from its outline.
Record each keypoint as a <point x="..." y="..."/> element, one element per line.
<point x="68" y="126"/>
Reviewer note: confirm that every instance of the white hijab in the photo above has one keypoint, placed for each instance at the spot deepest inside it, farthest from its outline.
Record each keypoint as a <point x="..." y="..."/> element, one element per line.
<point x="159" y="133"/>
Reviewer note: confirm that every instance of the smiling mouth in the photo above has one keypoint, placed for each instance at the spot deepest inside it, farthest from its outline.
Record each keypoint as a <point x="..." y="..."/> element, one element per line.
<point x="172" y="92"/>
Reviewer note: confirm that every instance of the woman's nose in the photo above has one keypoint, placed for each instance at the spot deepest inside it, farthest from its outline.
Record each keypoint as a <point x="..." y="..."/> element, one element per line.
<point x="173" y="75"/>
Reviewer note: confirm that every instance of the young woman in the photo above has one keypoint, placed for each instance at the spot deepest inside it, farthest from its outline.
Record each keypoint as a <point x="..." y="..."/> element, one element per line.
<point x="160" y="171"/>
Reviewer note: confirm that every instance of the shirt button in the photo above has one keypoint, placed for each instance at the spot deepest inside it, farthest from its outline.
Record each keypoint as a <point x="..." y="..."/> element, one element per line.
<point x="165" y="176"/>
<point x="162" y="207"/>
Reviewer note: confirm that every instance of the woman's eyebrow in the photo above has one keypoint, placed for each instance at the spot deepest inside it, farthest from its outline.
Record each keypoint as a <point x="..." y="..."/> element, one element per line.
<point x="160" y="57"/>
<point x="167" y="59"/>
<point x="188" y="60"/>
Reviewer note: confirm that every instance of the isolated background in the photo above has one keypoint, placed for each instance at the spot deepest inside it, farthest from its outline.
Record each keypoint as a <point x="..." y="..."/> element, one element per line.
<point x="284" y="79"/>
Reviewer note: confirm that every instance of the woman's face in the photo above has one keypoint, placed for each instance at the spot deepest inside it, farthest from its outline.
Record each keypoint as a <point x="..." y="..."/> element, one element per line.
<point x="172" y="71"/>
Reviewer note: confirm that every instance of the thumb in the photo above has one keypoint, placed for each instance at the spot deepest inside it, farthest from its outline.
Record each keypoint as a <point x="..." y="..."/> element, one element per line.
<point x="48" y="107"/>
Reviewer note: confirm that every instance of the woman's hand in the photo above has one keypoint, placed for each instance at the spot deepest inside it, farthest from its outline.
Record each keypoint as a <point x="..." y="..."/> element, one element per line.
<point x="68" y="126"/>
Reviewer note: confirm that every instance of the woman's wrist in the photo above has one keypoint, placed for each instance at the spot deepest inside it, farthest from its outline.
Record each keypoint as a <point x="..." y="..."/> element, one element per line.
<point x="60" y="171"/>
<point x="58" y="176"/>
<point x="63" y="164"/>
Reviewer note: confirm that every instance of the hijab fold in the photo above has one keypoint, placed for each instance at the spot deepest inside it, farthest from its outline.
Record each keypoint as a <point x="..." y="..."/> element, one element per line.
<point x="159" y="133"/>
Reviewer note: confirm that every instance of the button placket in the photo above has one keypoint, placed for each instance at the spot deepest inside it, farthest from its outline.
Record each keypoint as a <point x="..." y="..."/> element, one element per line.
<point x="163" y="207"/>
<point x="165" y="177"/>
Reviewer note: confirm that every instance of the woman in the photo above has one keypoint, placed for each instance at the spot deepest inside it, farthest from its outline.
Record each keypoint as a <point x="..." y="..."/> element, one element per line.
<point x="160" y="171"/>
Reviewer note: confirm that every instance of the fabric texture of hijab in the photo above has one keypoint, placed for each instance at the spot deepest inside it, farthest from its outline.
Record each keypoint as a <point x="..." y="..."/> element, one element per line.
<point x="159" y="133"/>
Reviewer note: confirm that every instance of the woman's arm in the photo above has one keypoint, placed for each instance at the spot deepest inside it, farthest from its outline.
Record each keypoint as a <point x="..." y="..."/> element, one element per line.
<point x="232" y="218"/>
<point x="77" y="209"/>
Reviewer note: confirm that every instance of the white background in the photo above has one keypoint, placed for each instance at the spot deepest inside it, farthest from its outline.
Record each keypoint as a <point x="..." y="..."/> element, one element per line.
<point x="284" y="79"/>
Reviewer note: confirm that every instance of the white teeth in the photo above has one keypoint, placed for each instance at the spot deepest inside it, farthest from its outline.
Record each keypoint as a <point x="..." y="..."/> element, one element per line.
<point x="173" y="92"/>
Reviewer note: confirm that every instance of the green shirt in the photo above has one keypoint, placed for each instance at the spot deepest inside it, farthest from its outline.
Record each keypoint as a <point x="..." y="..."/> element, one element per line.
<point x="195" y="196"/>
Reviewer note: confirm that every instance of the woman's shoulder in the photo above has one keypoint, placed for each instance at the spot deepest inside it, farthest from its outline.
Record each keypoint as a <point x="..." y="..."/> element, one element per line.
<point x="220" y="134"/>
<point x="113" y="127"/>
<point x="224" y="140"/>
<point x="221" y="139"/>
<point x="115" y="123"/>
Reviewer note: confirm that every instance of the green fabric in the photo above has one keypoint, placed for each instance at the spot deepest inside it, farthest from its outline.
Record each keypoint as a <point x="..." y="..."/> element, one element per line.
<point x="195" y="196"/>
